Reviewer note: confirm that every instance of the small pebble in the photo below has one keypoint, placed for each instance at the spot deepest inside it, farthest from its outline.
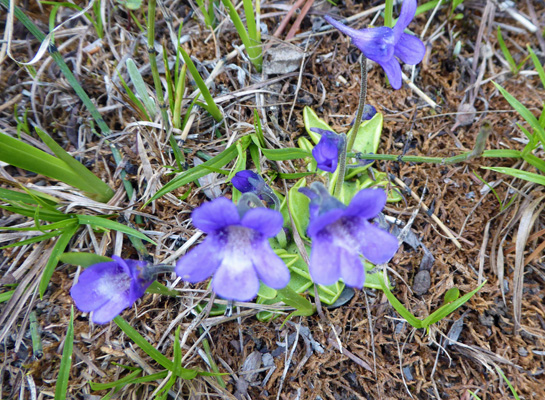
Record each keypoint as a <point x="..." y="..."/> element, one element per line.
<point x="522" y="351"/>
<point x="422" y="282"/>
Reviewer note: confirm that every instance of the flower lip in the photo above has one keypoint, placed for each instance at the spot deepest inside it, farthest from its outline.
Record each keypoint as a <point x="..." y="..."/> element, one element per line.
<point x="341" y="234"/>
<point x="237" y="254"/>
<point x="108" y="288"/>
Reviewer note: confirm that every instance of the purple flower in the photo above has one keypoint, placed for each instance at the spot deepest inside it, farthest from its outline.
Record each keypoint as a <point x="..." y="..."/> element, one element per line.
<point x="326" y="152"/>
<point x="108" y="288"/>
<point x="368" y="113"/>
<point x="236" y="250"/>
<point x="340" y="234"/>
<point x="384" y="44"/>
<point x="249" y="182"/>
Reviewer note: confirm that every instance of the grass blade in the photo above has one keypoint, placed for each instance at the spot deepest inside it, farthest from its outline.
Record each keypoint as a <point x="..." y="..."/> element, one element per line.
<point x="195" y="173"/>
<point x="141" y="88"/>
<point x="524" y="112"/>
<point x="212" y="107"/>
<point x="112" y="225"/>
<point x="66" y="360"/>
<point x="55" y="256"/>
<point x="143" y="344"/>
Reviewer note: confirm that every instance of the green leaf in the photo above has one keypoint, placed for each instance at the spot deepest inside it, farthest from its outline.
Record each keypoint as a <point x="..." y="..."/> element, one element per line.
<point x="25" y="156"/>
<point x="212" y="107"/>
<point x="6" y="296"/>
<point x="506" y="52"/>
<point x="368" y="137"/>
<point x="61" y="384"/>
<point x="252" y="44"/>
<point x="524" y="112"/>
<point x="45" y="215"/>
<point x="201" y="170"/>
<point x="96" y="187"/>
<point x="298" y="204"/>
<point x="400" y="308"/>
<point x="141" y="88"/>
<point x="112" y="225"/>
<point x="311" y="120"/>
<point x="527" y="176"/>
<point x="143" y="343"/>
<point x="55" y="256"/>
<point x="447" y="309"/>
<point x="266" y="292"/>
<point x="451" y="295"/>
<point x="290" y="153"/>
<point x="535" y="161"/>
<point x="128" y="379"/>
<point x="83" y="259"/>
<point x="537" y="65"/>
<point x="159" y="288"/>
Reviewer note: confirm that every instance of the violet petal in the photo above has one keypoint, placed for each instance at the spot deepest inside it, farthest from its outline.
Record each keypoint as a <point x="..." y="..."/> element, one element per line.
<point x="202" y="261"/>
<point x="236" y="279"/>
<point x="263" y="220"/>
<point x="215" y="215"/>
<point x="376" y="245"/>
<point x="269" y="267"/>
<point x="393" y="72"/>
<point x="324" y="260"/>
<point x="367" y="203"/>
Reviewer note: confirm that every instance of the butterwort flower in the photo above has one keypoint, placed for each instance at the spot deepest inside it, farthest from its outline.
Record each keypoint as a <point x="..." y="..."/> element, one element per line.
<point x="108" y="288"/>
<point x="249" y="182"/>
<point x="368" y="113"/>
<point x="326" y="152"/>
<point x="384" y="44"/>
<point x="236" y="250"/>
<point x="341" y="234"/>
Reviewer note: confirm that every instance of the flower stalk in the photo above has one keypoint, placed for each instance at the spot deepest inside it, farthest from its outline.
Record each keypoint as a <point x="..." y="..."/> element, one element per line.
<point x="353" y="133"/>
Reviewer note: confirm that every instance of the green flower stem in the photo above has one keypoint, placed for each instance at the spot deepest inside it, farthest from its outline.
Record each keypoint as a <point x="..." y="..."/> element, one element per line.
<point x="363" y="94"/>
<point x="178" y="155"/>
<point x="354" y="131"/>
<point x="341" y="167"/>
<point x="478" y="151"/>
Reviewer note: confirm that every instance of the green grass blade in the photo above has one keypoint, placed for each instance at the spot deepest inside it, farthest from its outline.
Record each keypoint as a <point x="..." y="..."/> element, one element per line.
<point x="111" y="225"/>
<point x="254" y="52"/>
<point x="527" y="176"/>
<point x="120" y="382"/>
<point x="83" y="259"/>
<point x="25" y="156"/>
<point x="290" y="153"/>
<point x="195" y="173"/>
<point x="212" y="107"/>
<point x="61" y="386"/>
<point x="253" y="31"/>
<point x="515" y="394"/>
<point x="537" y="65"/>
<point x="96" y="186"/>
<point x="143" y="344"/>
<point x="55" y="256"/>
<point x="6" y="296"/>
<point x="400" y="308"/>
<point x="48" y="216"/>
<point x="507" y="53"/>
<point x="447" y="309"/>
<point x="141" y="88"/>
<point x="524" y="112"/>
<point x="388" y="13"/>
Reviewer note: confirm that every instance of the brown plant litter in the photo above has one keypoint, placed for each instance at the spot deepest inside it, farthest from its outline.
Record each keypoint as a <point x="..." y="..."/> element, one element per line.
<point x="362" y="350"/>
